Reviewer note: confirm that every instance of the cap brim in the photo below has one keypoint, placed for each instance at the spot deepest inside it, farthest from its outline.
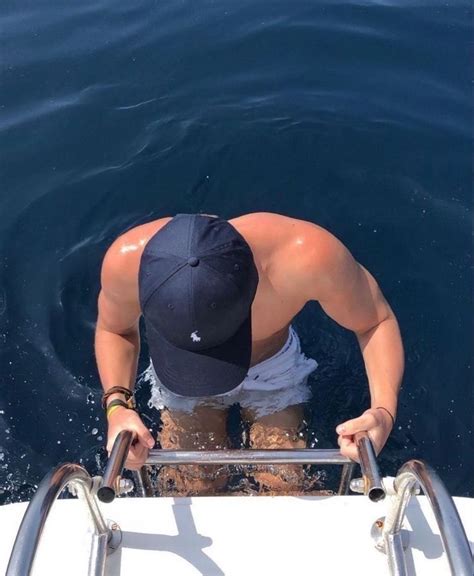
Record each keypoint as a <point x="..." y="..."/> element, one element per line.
<point x="204" y="373"/>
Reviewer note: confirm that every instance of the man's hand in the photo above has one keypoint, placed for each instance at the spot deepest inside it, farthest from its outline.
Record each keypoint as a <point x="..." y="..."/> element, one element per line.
<point x="375" y="421"/>
<point x="124" y="419"/>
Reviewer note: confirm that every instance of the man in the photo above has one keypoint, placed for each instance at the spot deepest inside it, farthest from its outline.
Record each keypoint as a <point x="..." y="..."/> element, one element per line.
<point x="218" y="298"/>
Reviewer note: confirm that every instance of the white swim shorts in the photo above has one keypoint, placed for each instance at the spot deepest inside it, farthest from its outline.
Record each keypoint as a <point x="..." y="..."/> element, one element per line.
<point x="270" y="386"/>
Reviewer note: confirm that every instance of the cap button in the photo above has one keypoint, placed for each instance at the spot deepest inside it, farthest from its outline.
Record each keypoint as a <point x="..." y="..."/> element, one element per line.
<point x="193" y="261"/>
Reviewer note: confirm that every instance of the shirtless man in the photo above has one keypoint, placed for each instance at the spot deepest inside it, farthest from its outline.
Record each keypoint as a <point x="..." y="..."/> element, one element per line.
<point x="218" y="298"/>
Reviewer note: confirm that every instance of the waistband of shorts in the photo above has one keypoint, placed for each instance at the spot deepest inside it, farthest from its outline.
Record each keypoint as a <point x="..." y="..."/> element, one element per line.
<point x="292" y="335"/>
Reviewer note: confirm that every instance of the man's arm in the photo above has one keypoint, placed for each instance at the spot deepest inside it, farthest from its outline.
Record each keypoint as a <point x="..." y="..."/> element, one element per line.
<point x="117" y="340"/>
<point x="117" y="346"/>
<point x="349" y="294"/>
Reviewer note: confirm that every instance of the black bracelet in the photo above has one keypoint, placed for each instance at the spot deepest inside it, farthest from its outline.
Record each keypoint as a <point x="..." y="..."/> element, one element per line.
<point x="387" y="411"/>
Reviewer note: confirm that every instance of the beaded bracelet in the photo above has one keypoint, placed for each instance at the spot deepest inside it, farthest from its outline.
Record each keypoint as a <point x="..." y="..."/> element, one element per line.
<point x="387" y="411"/>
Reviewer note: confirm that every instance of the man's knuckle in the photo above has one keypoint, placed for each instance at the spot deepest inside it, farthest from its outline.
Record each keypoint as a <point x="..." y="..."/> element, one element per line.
<point x="371" y="419"/>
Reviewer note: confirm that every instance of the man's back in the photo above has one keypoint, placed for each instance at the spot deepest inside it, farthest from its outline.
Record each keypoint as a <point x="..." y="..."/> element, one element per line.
<point x="284" y="250"/>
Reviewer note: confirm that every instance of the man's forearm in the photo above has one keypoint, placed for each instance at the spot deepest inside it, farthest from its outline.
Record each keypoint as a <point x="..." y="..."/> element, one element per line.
<point x="383" y="354"/>
<point x="117" y="357"/>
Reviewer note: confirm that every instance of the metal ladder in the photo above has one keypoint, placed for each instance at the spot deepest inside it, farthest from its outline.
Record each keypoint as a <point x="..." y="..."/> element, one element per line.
<point x="386" y="532"/>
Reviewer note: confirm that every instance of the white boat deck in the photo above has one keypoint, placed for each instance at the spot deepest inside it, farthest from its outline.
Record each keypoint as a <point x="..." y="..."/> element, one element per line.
<point x="235" y="536"/>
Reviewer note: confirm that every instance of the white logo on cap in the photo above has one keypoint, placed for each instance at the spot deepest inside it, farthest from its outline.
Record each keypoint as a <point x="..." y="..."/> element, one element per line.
<point x="195" y="337"/>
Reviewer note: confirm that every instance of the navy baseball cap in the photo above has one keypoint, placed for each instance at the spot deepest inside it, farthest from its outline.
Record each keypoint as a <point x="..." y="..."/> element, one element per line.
<point x="197" y="282"/>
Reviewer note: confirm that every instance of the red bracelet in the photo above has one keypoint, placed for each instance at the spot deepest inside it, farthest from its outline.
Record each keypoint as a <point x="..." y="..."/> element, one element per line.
<point x="387" y="411"/>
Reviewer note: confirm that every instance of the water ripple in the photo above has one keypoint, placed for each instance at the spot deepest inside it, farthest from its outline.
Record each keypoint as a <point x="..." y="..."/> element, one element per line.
<point x="37" y="110"/>
<point x="138" y="105"/>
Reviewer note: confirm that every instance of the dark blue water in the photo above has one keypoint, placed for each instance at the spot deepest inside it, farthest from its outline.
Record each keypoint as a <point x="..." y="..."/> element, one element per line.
<point x="355" y="116"/>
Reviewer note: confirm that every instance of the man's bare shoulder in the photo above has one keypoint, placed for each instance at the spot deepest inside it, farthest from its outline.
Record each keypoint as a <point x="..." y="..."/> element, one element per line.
<point x="287" y="227"/>
<point x="320" y="262"/>
<point x="267" y="221"/>
<point x="122" y="260"/>
<point x="296" y="253"/>
<point x="299" y="238"/>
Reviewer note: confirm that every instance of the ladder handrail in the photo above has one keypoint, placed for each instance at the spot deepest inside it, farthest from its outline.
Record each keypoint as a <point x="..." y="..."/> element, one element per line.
<point x="372" y="480"/>
<point x="32" y="525"/>
<point x="246" y="456"/>
<point x="453" y="535"/>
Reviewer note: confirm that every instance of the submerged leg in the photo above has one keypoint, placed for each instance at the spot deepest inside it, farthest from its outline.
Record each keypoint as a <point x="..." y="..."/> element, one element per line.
<point x="276" y="431"/>
<point x="203" y="429"/>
